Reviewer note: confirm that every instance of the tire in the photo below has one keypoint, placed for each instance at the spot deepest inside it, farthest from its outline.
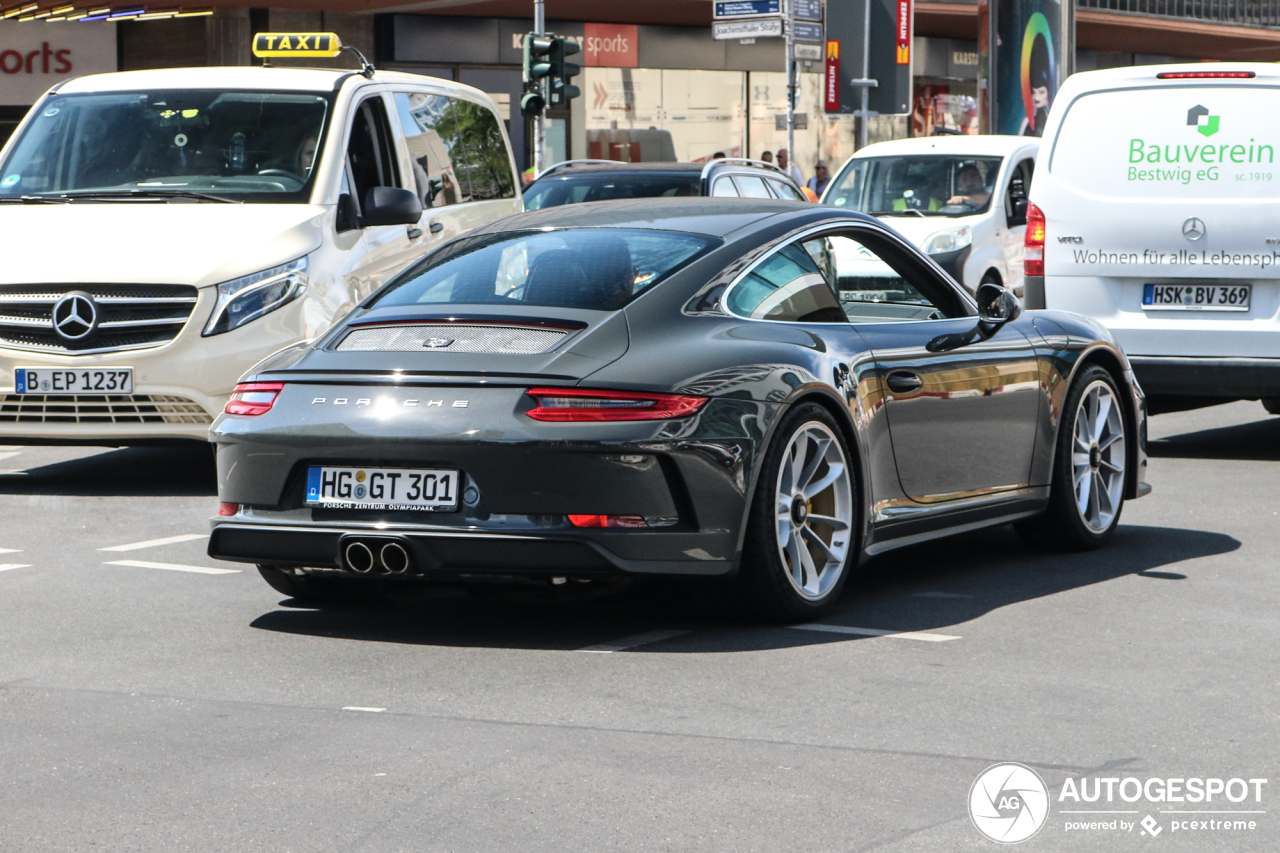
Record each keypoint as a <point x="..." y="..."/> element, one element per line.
<point x="1271" y="404"/>
<point x="1089" y="468"/>
<point x="320" y="590"/>
<point x="798" y="550"/>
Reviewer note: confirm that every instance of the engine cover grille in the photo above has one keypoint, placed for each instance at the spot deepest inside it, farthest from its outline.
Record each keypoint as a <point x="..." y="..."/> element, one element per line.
<point x="101" y="408"/>
<point x="451" y="337"/>
<point x="127" y="316"/>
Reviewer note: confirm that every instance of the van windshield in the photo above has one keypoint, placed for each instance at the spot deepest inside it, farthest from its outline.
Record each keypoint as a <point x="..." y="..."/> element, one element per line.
<point x="1174" y="141"/>
<point x="928" y="185"/>
<point x="245" y="146"/>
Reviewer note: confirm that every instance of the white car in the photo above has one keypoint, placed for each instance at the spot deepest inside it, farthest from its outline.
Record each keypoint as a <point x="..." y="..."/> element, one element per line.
<point x="1154" y="214"/>
<point x="961" y="199"/>
<point x="166" y="230"/>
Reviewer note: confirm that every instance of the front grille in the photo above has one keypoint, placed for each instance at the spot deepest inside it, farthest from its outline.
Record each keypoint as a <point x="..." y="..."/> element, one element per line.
<point x="100" y="409"/>
<point x="512" y="340"/>
<point x="130" y="316"/>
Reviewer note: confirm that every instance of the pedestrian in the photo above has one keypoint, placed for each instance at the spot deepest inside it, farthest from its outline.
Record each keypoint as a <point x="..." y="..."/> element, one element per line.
<point x="767" y="157"/>
<point x="820" y="178"/>
<point x="792" y="170"/>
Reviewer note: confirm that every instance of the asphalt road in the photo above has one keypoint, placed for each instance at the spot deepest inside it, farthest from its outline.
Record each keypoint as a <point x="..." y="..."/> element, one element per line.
<point x="145" y="708"/>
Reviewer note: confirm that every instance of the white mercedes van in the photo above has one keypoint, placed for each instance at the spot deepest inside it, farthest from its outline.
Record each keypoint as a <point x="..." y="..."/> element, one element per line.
<point x="166" y="230"/>
<point x="962" y="199"/>
<point x="1154" y="212"/>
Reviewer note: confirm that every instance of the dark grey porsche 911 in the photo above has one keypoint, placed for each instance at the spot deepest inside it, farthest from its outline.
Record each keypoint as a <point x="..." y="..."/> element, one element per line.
<point x="763" y="392"/>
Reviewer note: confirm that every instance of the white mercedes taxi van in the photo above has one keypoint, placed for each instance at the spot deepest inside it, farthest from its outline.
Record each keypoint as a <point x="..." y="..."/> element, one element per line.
<point x="962" y="199"/>
<point x="166" y="230"/>
<point x="1154" y="212"/>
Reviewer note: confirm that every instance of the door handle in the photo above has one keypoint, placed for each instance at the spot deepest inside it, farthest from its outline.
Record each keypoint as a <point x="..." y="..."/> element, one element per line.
<point x="437" y="227"/>
<point x="903" y="382"/>
<point x="413" y="232"/>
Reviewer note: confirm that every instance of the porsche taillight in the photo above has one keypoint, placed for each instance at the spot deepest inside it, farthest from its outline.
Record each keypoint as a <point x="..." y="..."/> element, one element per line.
<point x="592" y="404"/>
<point x="253" y="398"/>
<point x="1033" y="246"/>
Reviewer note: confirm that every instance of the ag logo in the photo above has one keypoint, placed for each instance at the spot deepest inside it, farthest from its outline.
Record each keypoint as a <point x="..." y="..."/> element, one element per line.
<point x="1008" y="803"/>
<point x="1199" y="118"/>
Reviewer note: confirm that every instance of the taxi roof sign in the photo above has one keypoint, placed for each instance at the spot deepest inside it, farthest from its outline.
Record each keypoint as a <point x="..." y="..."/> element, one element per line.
<point x="296" y="44"/>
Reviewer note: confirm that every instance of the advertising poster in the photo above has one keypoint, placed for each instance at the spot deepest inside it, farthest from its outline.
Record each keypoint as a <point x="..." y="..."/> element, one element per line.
<point x="1032" y="56"/>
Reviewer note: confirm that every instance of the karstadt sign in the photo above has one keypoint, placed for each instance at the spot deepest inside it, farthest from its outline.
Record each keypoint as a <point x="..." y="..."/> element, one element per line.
<point x="36" y="55"/>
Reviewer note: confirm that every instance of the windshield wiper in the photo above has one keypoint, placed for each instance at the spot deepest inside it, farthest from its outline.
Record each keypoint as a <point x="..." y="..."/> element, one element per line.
<point x="140" y="193"/>
<point x="30" y="199"/>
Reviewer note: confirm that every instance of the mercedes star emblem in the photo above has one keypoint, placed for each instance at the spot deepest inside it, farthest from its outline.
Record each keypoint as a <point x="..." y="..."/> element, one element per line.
<point x="1193" y="229"/>
<point x="75" y="316"/>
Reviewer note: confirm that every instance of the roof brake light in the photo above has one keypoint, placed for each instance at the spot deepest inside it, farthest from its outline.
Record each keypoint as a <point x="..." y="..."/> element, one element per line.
<point x="1205" y="75"/>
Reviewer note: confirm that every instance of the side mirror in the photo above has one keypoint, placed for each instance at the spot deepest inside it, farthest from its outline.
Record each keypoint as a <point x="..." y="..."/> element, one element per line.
<point x="997" y="306"/>
<point x="391" y="206"/>
<point x="1019" y="215"/>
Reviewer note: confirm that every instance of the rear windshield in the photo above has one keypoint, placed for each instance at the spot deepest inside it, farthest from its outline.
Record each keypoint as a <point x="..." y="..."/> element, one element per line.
<point x="1174" y="142"/>
<point x="604" y="187"/>
<point x="595" y="268"/>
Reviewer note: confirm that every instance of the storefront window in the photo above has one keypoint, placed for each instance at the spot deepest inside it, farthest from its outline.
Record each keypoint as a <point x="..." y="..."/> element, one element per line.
<point x="645" y="115"/>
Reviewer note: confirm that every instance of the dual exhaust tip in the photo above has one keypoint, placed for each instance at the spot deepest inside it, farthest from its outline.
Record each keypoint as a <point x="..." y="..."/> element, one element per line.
<point x="372" y="556"/>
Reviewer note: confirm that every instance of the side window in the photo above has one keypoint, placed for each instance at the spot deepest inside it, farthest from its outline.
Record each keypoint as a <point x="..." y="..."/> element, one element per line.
<point x="724" y="188"/>
<point x="785" y="191"/>
<point x="878" y="282"/>
<point x="751" y="187"/>
<point x="1019" y="187"/>
<point x="429" y="125"/>
<point x="793" y="285"/>
<point x="484" y="165"/>
<point x="371" y="156"/>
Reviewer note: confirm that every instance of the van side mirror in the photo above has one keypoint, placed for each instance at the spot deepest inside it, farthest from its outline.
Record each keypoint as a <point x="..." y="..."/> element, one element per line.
<point x="345" y="217"/>
<point x="1019" y="215"/>
<point x="391" y="206"/>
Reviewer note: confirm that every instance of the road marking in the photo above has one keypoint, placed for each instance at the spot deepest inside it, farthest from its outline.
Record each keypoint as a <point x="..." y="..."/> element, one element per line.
<point x="940" y="595"/>
<point x="173" y="567"/>
<point x="4" y="567"/>
<point x="368" y="710"/>
<point x="10" y="550"/>
<point x="633" y="641"/>
<point x="876" y="632"/>
<point x="152" y="543"/>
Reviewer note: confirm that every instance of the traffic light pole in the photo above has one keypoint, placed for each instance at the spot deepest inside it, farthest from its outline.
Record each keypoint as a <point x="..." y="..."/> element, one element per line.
<point x="789" y="25"/>
<point x="540" y="120"/>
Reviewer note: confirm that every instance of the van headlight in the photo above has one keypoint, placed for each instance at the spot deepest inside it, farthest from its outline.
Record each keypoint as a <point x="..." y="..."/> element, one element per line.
<point x="951" y="240"/>
<point x="248" y="298"/>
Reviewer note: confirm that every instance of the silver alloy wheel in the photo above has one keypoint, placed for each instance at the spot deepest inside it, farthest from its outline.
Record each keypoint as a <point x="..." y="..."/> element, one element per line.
<point x="1098" y="456"/>
<point x="814" y="510"/>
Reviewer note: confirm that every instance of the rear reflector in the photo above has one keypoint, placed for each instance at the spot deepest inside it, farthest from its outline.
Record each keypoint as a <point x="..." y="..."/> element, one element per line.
<point x="1033" y="243"/>
<point x="1205" y="75"/>
<point x="590" y="404"/>
<point x="607" y="521"/>
<point x="225" y="508"/>
<point x="253" y="398"/>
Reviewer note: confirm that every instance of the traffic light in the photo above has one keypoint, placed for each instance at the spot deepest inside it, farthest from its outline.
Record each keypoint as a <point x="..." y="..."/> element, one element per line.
<point x="538" y="52"/>
<point x="562" y="90"/>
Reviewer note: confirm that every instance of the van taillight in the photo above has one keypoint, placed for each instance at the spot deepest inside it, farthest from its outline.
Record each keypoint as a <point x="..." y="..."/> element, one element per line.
<point x="1033" y="247"/>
